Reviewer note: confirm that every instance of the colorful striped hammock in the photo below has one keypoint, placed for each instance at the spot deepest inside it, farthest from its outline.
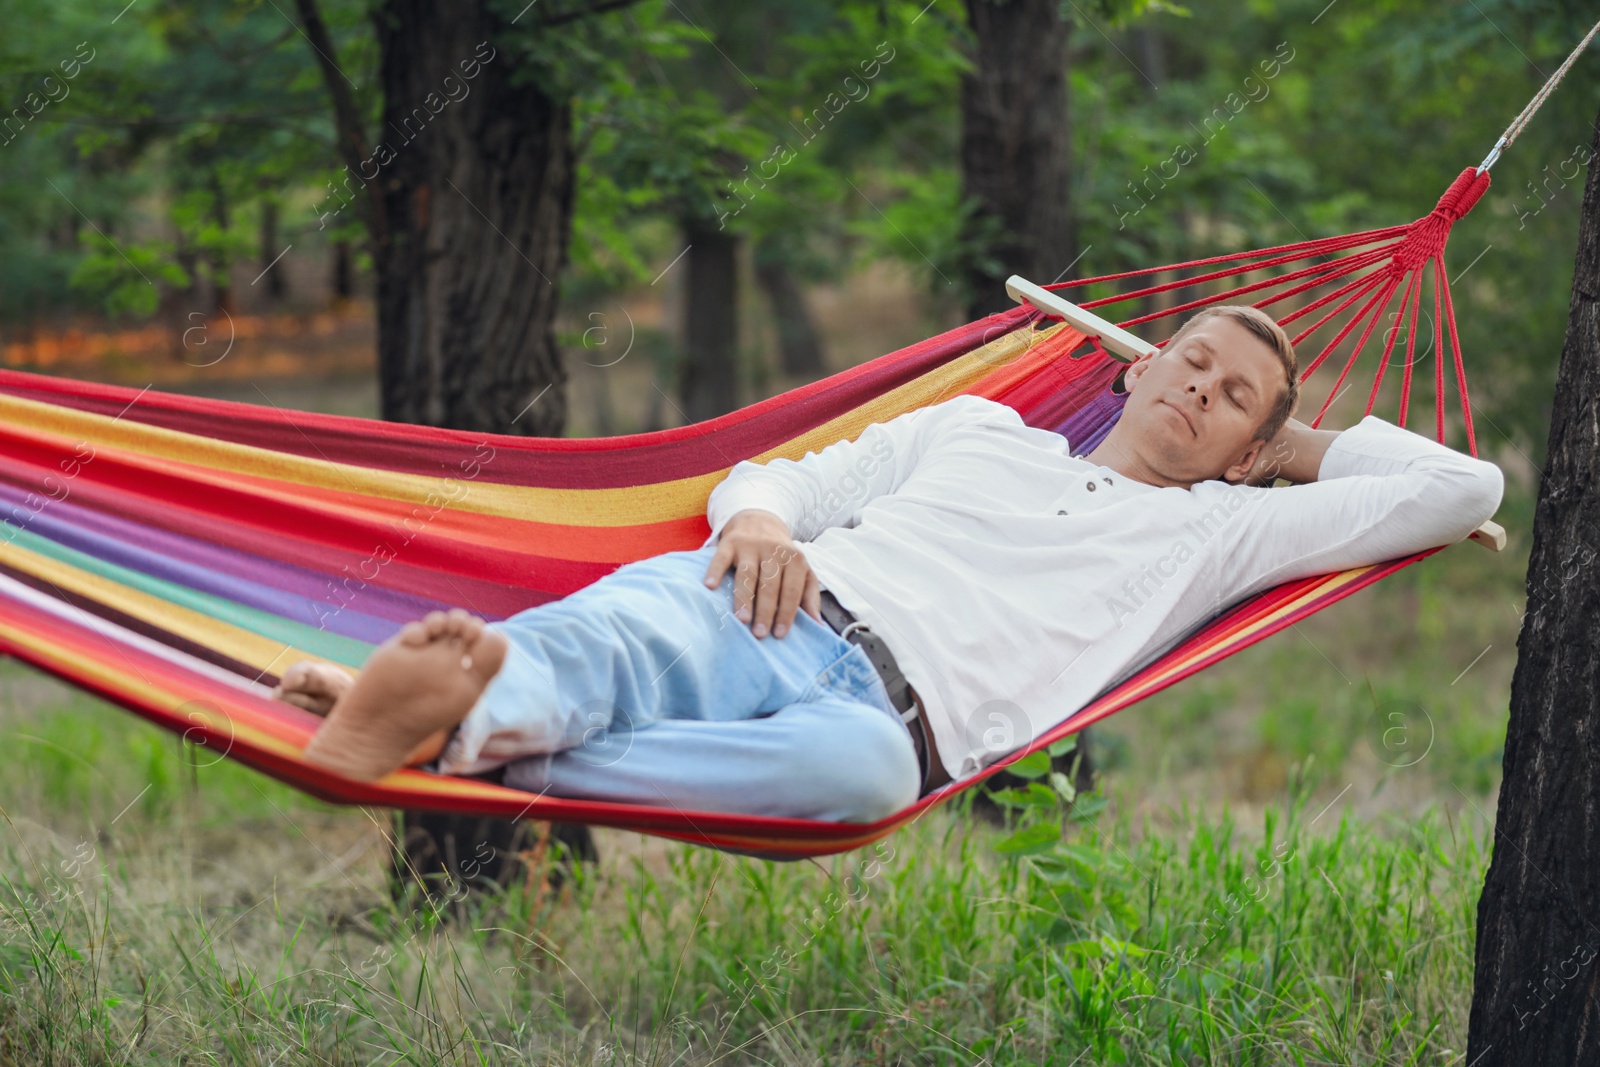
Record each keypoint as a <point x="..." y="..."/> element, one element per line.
<point x="174" y="554"/>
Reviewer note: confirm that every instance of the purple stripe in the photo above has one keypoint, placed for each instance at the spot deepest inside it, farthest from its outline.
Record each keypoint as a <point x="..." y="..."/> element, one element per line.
<point x="1083" y="409"/>
<point x="283" y="589"/>
<point x="1086" y="427"/>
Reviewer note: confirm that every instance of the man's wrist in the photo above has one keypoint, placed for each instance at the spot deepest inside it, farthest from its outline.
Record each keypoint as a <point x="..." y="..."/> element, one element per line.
<point x="757" y="515"/>
<point x="1295" y="454"/>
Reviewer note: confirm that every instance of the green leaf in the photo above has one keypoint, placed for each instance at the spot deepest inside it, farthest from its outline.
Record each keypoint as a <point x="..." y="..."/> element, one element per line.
<point x="1011" y="798"/>
<point x="1086" y="808"/>
<point x="1087" y="948"/>
<point x="1063" y="785"/>
<point x="1033" y="765"/>
<point x="1033" y="795"/>
<point x="1039" y="837"/>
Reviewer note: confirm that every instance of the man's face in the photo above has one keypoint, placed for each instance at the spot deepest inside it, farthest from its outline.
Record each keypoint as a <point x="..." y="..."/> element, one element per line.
<point x="1193" y="408"/>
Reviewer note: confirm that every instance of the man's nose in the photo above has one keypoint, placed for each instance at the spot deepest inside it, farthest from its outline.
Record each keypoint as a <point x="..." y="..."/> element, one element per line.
<point x="1202" y="391"/>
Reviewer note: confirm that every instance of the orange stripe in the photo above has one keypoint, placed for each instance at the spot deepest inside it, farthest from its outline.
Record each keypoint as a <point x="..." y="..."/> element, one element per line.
<point x="1040" y="355"/>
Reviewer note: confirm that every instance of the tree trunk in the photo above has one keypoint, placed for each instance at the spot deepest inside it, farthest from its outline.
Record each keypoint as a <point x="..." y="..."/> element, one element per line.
<point x="1016" y="148"/>
<point x="221" y="263"/>
<point x="477" y="214"/>
<point x="467" y="193"/>
<point x="342" y="277"/>
<point x="476" y="190"/>
<point x="271" y="265"/>
<point x="447" y="857"/>
<point x="1150" y="45"/>
<point x="1536" y="996"/>
<point x="799" y="345"/>
<point x="708" y="377"/>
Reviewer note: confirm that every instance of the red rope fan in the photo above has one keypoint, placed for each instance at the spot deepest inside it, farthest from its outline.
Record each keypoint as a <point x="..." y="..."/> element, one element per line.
<point x="1371" y="267"/>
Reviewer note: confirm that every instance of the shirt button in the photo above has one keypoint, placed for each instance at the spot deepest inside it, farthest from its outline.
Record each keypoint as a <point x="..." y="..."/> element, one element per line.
<point x="1063" y="511"/>
<point x="1106" y="480"/>
<point x="1091" y="487"/>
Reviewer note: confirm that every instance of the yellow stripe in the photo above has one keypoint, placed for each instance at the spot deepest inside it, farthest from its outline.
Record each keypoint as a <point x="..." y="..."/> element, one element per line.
<point x="626" y="506"/>
<point x="262" y="653"/>
<point x="954" y="378"/>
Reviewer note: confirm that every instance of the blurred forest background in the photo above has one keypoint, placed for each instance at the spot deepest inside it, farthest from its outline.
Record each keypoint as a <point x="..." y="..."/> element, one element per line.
<point x="744" y="196"/>
<point x="598" y="217"/>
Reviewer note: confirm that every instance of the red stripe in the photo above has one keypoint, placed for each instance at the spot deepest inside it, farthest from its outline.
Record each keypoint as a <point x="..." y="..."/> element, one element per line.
<point x="559" y="463"/>
<point x="1301" y="250"/>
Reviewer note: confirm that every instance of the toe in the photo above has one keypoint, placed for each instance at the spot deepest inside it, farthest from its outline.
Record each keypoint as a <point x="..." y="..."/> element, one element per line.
<point x="461" y="624"/>
<point x="327" y="680"/>
<point x="414" y="633"/>
<point x="295" y="677"/>
<point x="306" y="703"/>
<point x="437" y="623"/>
<point x="461" y="628"/>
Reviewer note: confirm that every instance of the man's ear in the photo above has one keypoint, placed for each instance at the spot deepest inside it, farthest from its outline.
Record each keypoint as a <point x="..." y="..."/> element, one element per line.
<point x="1136" y="369"/>
<point x="1241" y="468"/>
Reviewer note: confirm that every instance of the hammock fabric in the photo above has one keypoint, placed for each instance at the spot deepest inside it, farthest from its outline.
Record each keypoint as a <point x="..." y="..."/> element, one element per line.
<point x="175" y="554"/>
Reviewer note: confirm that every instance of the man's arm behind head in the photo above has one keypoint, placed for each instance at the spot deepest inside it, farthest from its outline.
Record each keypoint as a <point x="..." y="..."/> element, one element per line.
<point x="1294" y="454"/>
<point x="1374" y="492"/>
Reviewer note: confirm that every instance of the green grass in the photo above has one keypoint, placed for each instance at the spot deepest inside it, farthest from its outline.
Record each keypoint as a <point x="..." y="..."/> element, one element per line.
<point x="222" y="918"/>
<point x="1322" y="939"/>
<point x="1272" y="875"/>
<point x="1105" y="944"/>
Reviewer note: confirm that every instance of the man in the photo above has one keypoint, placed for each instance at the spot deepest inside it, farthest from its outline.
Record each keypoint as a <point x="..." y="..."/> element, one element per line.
<point x="955" y="548"/>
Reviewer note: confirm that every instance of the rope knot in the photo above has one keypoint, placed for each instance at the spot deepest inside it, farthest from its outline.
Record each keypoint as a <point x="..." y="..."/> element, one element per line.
<point x="1427" y="236"/>
<point x="1463" y="194"/>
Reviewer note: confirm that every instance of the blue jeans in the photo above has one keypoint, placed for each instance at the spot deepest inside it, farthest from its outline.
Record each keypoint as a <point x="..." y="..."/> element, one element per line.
<point x="643" y="688"/>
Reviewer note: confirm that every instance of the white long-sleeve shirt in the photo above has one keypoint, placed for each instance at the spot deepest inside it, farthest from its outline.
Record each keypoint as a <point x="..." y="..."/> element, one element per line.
<point x="1014" y="582"/>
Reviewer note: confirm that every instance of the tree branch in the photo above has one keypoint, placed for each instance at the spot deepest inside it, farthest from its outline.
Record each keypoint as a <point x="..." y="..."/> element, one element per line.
<point x="352" y="139"/>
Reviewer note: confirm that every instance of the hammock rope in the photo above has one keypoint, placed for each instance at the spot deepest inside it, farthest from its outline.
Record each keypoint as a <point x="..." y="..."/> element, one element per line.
<point x="1385" y="262"/>
<point x="174" y="554"/>
<point x="1527" y="113"/>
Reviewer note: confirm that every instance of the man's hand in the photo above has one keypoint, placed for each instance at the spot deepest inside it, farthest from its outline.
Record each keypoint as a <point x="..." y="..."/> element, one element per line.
<point x="1295" y="455"/>
<point x="771" y="576"/>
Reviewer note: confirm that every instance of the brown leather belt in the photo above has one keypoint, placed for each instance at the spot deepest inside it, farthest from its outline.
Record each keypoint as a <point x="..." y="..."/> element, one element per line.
<point x="901" y="695"/>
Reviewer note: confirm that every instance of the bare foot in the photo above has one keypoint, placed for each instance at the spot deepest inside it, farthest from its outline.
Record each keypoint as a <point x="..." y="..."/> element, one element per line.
<point x="414" y="689"/>
<point x="313" y="686"/>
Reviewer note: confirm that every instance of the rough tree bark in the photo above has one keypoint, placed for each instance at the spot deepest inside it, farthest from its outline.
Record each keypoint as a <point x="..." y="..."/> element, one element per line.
<point x="477" y="203"/>
<point x="708" y="376"/>
<point x="1016" y="146"/>
<point x="1536" y="996"/>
